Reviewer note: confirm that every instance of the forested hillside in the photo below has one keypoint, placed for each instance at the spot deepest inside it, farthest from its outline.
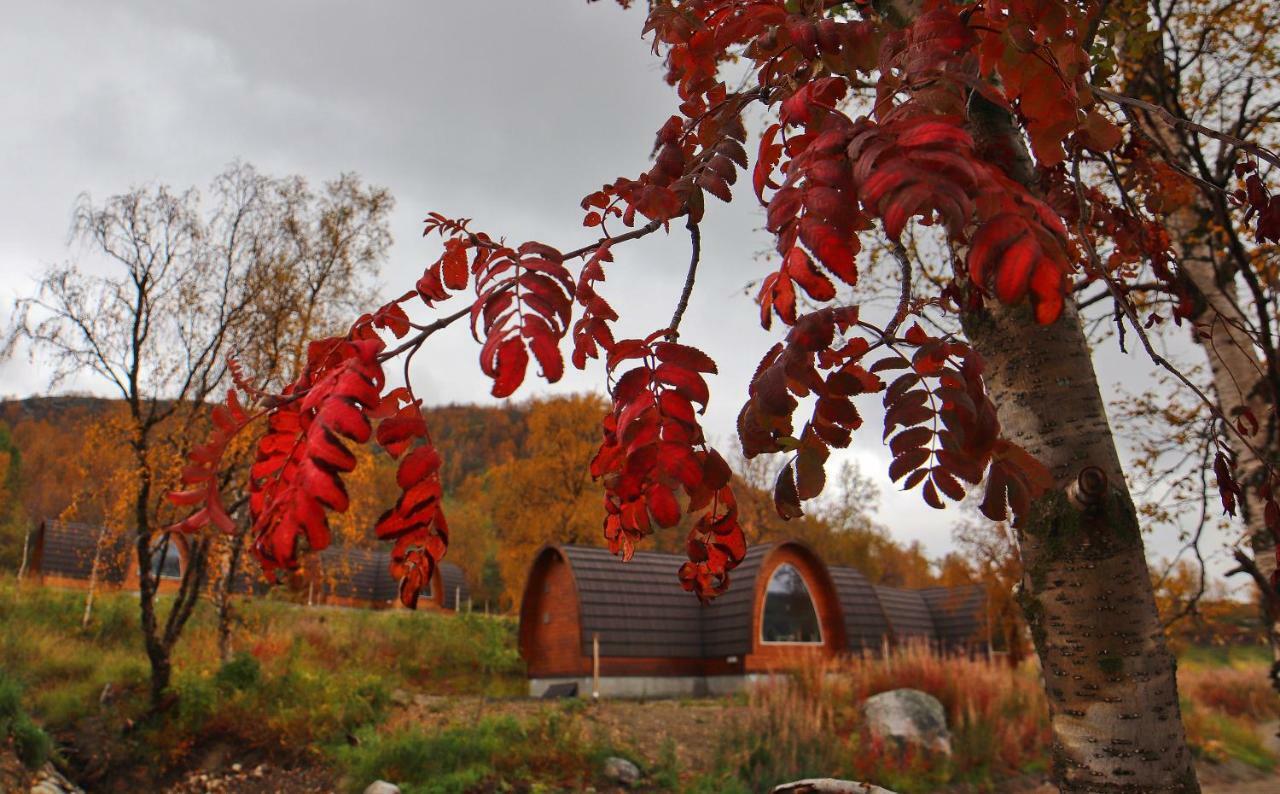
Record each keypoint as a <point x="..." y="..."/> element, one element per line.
<point x="515" y="475"/>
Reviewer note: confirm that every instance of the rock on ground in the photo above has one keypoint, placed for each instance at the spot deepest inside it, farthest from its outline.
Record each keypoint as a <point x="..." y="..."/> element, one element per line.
<point x="622" y="771"/>
<point x="828" y="785"/>
<point x="382" y="787"/>
<point x="908" y="717"/>
<point x="50" y="781"/>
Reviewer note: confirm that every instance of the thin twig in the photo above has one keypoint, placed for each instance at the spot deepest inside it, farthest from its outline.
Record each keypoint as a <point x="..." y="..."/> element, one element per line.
<point x="648" y="228"/>
<point x="417" y="339"/>
<point x="904" y="300"/>
<point x="695" y="239"/>
<point x="1168" y="118"/>
<point x="1125" y="307"/>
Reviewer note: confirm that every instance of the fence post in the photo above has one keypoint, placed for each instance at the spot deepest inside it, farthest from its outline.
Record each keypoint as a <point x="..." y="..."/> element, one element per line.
<point x="26" y="556"/>
<point x="595" y="666"/>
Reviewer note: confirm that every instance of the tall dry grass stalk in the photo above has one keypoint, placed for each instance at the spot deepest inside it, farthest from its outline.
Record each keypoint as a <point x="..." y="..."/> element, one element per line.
<point x="809" y="722"/>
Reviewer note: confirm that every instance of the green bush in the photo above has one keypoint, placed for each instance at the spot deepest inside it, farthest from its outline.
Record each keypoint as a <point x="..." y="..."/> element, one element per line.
<point x="240" y="673"/>
<point x="30" y="742"/>
<point x="10" y="699"/>
<point x="493" y="753"/>
<point x="198" y="699"/>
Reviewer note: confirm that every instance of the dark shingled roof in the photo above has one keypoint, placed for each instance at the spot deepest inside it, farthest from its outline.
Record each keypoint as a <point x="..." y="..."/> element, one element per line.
<point x="357" y="573"/>
<point x="67" y="549"/>
<point x="365" y="574"/>
<point x="639" y="609"/>
<point x="958" y="612"/>
<point x="727" y="624"/>
<point x="865" y="624"/>
<point x="908" y="614"/>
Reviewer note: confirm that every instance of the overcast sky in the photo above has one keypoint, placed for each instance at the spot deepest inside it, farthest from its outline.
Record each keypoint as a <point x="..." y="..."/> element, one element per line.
<point x="506" y="111"/>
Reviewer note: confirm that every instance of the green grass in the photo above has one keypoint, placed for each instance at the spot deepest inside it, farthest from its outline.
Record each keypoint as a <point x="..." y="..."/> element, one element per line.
<point x="1237" y="656"/>
<point x="1216" y="737"/>
<point x="30" y="743"/>
<point x="315" y="684"/>
<point x="303" y="679"/>
<point x="495" y="753"/>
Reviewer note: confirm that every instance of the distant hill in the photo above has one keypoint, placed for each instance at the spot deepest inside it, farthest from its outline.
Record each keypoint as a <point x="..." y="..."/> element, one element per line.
<point x="51" y="409"/>
<point x="471" y="438"/>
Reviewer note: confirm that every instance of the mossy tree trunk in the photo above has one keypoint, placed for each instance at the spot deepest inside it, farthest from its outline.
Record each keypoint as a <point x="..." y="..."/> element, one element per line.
<point x="1086" y="591"/>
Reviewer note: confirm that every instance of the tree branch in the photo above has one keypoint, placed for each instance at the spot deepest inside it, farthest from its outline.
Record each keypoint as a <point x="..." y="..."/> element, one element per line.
<point x="1260" y="152"/>
<point x="695" y="238"/>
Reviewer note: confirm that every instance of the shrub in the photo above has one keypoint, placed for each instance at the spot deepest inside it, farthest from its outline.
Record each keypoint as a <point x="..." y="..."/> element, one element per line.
<point x="198" y="698"/>
<point x="31" y="744"/>
<point x="493" y="753"/>
<point x="240" y="673"/>
<point x="1236" y="691"/>
<point x="1215" y="737"/>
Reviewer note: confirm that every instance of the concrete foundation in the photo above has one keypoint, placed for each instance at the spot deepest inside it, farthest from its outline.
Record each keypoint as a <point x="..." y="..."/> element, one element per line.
<point x="652" y="687"/>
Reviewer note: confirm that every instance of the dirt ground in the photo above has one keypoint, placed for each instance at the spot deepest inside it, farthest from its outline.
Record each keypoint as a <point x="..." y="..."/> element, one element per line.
<point x="633" y="724"/>
<point x="628" y="723"/>
<point x="689" y="722"/>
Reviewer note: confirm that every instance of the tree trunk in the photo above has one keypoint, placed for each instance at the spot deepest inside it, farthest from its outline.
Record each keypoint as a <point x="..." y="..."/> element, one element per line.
<point x="157" y="653"/>
<point x="1085" y="592"/>
<point x="1240" y="384"/>
<point x="93" y="582"/>
<point x="1241" y="379"/>
<point x="225" y="590"/>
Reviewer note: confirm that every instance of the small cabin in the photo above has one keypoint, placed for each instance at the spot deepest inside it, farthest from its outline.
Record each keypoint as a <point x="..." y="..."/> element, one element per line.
<point x="354" y="577"/>
<point x="785" y="607"/>
<point x="69" y="554"/>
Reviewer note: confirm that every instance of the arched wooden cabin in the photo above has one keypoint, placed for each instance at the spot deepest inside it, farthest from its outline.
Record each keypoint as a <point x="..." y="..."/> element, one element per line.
<point x="785" y="605"/>
<point x="343" y="576"/>
<point x="67" y="554"/>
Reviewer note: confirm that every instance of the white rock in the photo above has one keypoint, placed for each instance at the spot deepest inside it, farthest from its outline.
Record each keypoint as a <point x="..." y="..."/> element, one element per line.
<point x="828" y="785"/>
<point x="382" y="787"/>
<point x="621" y="770"/>
<point x="908" y="717"/>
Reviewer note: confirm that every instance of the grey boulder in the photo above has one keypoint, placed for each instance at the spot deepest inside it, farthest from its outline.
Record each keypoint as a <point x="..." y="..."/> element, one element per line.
<point x="909" y="718"/>
<point x="621" y="771"/>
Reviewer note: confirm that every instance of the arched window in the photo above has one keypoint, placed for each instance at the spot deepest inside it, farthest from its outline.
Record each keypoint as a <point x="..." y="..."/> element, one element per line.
<point x="789" y="615"/>
<point x="166" y="558"/>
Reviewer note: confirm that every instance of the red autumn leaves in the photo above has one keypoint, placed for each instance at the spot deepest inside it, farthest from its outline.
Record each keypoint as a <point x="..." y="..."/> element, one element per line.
<point x="656" y="466"/>
<point x="842" y="173"/>
<point x="523" y="306"/>
<point x="296" y="479"/>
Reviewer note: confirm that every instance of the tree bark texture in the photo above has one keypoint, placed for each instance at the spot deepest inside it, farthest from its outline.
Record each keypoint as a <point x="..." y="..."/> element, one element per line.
<point x="1240" y="384"/>
<point x="1086" y="592"/>
<point x="226" y="589"/>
